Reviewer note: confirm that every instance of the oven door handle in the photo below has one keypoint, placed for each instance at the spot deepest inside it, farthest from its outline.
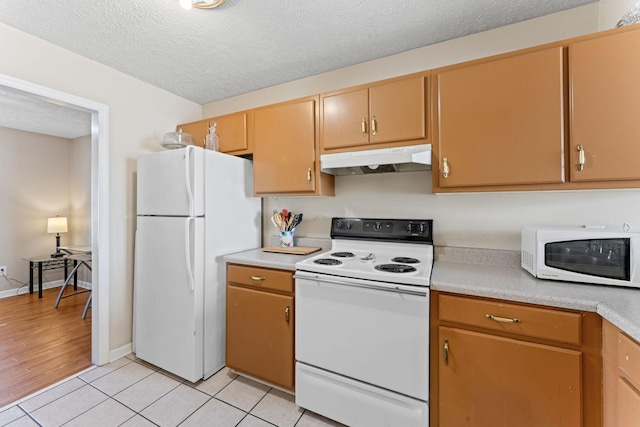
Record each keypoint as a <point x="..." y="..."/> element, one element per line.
<point x="347" y="282"/>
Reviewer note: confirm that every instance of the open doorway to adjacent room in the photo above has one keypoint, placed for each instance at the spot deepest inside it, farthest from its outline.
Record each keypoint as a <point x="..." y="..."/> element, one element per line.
<point x="53" y="163"/>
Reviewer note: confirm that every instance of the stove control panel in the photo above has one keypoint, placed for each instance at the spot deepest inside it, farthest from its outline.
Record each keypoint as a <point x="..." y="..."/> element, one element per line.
<point x="400" y="230"/>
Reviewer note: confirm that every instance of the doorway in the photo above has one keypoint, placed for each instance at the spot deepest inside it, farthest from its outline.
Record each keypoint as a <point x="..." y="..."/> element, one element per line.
<point x="99" y="203"/>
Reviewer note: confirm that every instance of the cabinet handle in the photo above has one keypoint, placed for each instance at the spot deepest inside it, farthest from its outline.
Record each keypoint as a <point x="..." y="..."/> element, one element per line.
<point x="364" y="126"/>
<point x="580" y="157"/>
<point x="374" y="125"/>
<point x="446" y="352"/>
<point x="502" y="319"/>
<point x="258" y="278"/>
<point x="286" y="314"/>
<point x="309" y="175"/>
<point x="445" y="168"/>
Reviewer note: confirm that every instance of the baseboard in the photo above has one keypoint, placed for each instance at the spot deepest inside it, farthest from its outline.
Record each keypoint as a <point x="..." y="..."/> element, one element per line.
<point x="48" y="285"/>
<point x="119" y="352"/>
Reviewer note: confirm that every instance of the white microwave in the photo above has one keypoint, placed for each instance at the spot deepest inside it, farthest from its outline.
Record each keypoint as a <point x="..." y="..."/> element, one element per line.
<point x="582" y="254"/>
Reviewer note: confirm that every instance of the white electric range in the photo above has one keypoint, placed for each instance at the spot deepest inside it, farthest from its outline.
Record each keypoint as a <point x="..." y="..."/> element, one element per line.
<point x="362" y="323"/>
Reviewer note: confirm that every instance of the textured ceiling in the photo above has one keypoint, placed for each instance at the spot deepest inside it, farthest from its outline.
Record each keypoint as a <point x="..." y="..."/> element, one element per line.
<point x="245" y="45"/>
<point x="33" y="114"/>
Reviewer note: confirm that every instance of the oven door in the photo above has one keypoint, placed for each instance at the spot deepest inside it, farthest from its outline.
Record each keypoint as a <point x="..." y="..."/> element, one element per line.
<point x="373" y="332"/>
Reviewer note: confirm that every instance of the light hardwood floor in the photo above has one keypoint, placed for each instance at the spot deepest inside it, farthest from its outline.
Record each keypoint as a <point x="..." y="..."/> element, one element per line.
<point x="41" y="345"/>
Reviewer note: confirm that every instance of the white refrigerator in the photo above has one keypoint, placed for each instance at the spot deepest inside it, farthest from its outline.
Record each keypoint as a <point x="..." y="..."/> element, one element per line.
<point x="193" y="206"/>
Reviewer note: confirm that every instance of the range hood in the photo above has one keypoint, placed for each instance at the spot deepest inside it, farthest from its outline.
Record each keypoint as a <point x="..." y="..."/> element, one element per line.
<point x="396" y="159"/>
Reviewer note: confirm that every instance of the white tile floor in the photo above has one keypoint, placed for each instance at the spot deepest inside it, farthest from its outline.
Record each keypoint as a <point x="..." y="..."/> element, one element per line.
<point x="129" y="392"/>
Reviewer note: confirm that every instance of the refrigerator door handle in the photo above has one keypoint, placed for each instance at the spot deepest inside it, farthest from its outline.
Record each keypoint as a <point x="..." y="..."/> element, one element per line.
<point x="187" y="247"/>
<point x="187" y="180"/>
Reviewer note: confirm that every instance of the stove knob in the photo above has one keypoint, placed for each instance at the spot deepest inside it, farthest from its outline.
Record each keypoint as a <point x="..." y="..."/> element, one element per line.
<point x="413" y="228"/>
<point x="339" y="225"/>
<point x="423" y="227"/>
<point x="377" y="226"/>
<point x="408" y="227"/>
<point x="348" y="225"/>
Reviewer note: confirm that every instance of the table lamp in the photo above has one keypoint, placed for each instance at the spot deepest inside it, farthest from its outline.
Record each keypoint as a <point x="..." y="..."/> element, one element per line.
<point x="57" y="225"/>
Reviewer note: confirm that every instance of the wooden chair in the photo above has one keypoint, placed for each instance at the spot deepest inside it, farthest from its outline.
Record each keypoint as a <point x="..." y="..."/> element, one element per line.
<point x="79" y="260"/>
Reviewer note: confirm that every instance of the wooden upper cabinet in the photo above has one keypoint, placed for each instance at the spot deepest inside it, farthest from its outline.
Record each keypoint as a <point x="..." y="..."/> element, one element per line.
<point x="500" y="121"/>
<point x="387" y="113"/>
<point x="605" y="100"/>
<point x="345" y="119"/>
<point x="284" y="159"/>
<point x="233" y="133"/>
<point x="198" y="130"/>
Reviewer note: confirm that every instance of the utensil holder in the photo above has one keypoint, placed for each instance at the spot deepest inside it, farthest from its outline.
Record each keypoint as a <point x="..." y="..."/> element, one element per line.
<point x="286" y="239"/>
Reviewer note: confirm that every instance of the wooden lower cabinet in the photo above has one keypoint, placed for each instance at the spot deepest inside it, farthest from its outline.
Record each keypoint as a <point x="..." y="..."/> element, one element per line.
<point x="621" y="378"/>
<point x="260" y="328"/>
<point x="493" y="363"/>
<point x="488" y="381"/>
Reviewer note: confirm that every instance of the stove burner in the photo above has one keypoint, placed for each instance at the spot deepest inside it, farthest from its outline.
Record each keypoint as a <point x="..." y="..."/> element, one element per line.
<point x="327" y="261"/>
<point x="395" y="268"/>
<point x="343" y="254"/>
<point x="406" y="260"/>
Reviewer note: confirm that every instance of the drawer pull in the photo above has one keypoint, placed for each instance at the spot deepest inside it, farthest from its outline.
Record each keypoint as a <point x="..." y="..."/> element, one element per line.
<point x="446" y="352"/>
<point x="502" y="319"/>
<point x="374" y="126"/>
<point x="258" y="278"/>
<point x="286" y="314"/>
<point x="364" y="127"/>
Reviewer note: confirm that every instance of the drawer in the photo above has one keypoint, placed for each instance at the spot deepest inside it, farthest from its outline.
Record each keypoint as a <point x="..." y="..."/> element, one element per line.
<point x="629" y="358"/>
<point x="518" y="319"/>
<point x="267" y="278"/>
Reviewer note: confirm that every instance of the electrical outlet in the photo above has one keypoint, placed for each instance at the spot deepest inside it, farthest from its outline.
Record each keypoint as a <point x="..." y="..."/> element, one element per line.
<point x="3" y="270"/>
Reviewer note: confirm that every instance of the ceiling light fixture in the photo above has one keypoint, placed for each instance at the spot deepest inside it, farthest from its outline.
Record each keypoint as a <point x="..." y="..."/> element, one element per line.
<point x="201" y="4"/>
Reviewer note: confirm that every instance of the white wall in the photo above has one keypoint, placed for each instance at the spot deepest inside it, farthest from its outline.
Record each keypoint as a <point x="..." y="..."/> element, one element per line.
<point x="139" y="115"/>
<point x="80" y="192"/>
<point x="489" y="220"/>
<point x="34" y="185"/>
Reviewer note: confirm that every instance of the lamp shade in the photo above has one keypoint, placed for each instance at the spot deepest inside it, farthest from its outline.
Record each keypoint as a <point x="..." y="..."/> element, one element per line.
<point x="57" y="225"/>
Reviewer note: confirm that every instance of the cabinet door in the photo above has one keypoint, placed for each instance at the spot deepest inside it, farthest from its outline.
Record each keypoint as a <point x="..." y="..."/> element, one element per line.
<point x="605" y="100"/>
<point x="198" y="130"/>
<point x="284" y="148"/>
<point x="345" y="119"/>
<point x="501" y="122"/>
<point x="233" y="133"/>
<point x="398" y="111"/>
<point x="260" y="329"/>
<point x="485" y="380"/>
<point x="628" y="405"/>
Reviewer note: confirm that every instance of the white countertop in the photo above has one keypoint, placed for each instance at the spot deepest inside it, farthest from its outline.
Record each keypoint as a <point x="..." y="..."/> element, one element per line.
<point x="281" y="261"/>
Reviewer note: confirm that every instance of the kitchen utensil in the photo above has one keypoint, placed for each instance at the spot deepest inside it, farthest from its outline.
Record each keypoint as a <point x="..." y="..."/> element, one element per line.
<point x="296" y="220"/>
